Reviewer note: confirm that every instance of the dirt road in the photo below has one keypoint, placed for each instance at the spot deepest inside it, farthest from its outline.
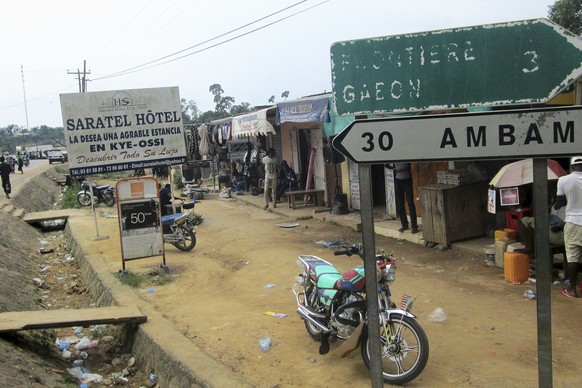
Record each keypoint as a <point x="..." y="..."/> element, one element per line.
<point x="244" y="266"/>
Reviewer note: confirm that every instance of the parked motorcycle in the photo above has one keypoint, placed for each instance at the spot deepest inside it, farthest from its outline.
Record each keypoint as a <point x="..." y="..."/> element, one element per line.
<point x="333" y="306"/>
<point x="179" y="229"/>
<point x="104" y="193"/>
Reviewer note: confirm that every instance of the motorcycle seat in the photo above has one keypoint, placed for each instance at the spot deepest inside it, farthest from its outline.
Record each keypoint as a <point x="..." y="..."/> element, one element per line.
<point x="171" y="218"/>
<point x="102" y="187"/>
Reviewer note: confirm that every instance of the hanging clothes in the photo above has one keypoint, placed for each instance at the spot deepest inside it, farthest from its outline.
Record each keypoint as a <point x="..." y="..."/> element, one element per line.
<point x="204" y="146"/>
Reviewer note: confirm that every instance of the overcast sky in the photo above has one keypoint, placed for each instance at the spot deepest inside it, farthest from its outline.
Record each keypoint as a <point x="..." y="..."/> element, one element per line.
<point x="44" y="41"/>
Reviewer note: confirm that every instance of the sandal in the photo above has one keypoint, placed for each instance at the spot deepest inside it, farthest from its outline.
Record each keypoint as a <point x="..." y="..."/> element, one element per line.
<point x="266" y="207"/>
<point x="567" y="293"/>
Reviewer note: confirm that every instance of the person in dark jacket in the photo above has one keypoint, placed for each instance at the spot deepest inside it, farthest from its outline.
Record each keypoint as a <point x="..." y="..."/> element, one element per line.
<point x="287" y="180"/>
<point x="403" y="191"/>
<point x="5" y="171"/>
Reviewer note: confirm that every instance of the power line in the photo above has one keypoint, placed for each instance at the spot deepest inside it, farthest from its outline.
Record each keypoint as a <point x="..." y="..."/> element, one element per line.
<point x="145" y="65"/>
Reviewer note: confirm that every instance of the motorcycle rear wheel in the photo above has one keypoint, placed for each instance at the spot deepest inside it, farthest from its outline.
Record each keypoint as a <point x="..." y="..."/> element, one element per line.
<point x="109" y="199"/>
<point x="189" y="241"/>
<point x="404" y="349"/>
<point x="84" y="199"/>
<point x="315" y="332"/>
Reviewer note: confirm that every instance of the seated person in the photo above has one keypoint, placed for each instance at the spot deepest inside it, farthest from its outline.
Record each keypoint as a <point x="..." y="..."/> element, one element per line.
<point x="234" y="170"/>
<point x="556" y="228"/>
<point x="287" y="179"/>
<point x="166" y="199"/>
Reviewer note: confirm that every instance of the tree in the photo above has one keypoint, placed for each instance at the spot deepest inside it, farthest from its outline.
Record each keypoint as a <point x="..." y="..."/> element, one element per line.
<point x="284" y="96"/>
<point x="190" y="111"/>
<point x="239" y="109"/>
<point x="223" y="103"/>
<point x="568" y="14"/>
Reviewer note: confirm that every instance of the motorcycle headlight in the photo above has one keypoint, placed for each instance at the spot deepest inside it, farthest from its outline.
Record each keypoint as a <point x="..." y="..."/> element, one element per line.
<point x="300" y="280"/>
<point x="389" y="273"/>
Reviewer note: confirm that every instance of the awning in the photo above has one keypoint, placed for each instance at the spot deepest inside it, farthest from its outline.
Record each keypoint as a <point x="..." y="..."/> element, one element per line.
<point x="337" y="124"/>
<point x="304" y="110"/>
<point x="252" y="124"/>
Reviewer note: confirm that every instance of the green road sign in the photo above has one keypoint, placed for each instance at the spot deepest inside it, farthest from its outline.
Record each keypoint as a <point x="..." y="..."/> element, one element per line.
<point x="522" y="62"/>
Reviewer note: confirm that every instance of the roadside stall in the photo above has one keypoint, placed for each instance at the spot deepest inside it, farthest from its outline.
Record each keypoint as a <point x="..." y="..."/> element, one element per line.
<point x="514" y="181"/>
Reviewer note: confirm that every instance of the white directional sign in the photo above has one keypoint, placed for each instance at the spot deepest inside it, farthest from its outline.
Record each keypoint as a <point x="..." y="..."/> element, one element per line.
<point x="485" y="135"/>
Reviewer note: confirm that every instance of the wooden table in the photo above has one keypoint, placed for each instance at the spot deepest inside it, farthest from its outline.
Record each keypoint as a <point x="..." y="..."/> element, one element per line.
<point x="314" y="194"/>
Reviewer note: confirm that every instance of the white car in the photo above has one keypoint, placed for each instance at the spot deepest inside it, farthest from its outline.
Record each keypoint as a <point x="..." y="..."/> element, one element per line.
<point x="56" y="156"/>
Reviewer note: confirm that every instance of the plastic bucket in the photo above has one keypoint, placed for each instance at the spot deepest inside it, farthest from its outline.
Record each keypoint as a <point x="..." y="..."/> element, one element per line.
<point x="489" y="252"/>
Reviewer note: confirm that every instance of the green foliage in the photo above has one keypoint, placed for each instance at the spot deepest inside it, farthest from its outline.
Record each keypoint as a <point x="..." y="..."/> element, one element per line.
<point x="198" y="219"/>
<point x="69" y="200"/>
<point x="13" y="136"/>
<point x="244" y="107"/>
<point x="154" y="277"/>
<point x="45" y="338"/>
<point x="190" y="111"/>
<point x="568" y="14"/>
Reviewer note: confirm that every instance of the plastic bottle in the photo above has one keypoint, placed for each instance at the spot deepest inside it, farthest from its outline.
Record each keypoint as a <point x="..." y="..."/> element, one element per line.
<point x="265" y="343"/>
<point x="530" y="294"/>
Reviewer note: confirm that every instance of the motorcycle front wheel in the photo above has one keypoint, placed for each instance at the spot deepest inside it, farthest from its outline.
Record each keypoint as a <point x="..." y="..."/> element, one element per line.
<point x="188" y="241"/>
<point x="109" y="199"/>
<point x="84" y="199"/>
<point x="404" y="349"/>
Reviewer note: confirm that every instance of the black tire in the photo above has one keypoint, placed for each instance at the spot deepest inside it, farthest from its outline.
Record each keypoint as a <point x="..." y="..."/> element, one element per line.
<point x="84" y="199"/>
<point x="189" y="241"/>
<point x="404" y="354"/>
<point x="109" y="199"/>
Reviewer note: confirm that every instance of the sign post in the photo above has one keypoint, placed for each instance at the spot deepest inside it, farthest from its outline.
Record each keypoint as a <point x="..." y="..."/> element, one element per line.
<point x="140" y="227"/>
<point x="507" y="64"/>
<point x="503" y="134"/>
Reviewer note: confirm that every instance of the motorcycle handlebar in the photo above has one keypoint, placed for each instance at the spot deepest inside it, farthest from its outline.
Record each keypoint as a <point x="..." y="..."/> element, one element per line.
<point x="342" y="252"/>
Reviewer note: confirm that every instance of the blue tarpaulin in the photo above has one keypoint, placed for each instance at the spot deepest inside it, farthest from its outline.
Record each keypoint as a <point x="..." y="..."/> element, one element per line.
<point x="304" y="110"/>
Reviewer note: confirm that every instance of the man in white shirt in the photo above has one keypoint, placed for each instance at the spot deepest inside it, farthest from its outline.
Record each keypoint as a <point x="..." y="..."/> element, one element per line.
<point x="270" y="162"/>
<point x="569" y="193"/>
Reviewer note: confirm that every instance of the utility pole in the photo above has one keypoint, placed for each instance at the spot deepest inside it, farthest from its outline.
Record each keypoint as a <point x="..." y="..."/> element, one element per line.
<point x="24" y="93"/>
<point x="82" y="79"/>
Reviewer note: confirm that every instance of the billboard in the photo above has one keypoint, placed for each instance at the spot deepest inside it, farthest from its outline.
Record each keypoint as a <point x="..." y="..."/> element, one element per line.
<point x="122" y="130"/>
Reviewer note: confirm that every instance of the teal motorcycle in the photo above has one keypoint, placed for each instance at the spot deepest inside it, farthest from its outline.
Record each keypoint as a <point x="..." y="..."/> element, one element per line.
<point x="333" y="307"/>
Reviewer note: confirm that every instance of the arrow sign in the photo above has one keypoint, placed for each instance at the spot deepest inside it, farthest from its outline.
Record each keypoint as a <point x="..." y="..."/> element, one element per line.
<point x="504" y="134"/>
<point x="522" y="62"/>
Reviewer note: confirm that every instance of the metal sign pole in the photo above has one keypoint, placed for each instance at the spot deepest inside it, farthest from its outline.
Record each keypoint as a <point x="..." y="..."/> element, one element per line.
<point x="367" y="216"/>
<point x="543" y="272"/>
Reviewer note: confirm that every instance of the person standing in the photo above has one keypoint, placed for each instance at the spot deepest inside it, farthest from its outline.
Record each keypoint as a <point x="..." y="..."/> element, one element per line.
<point x="20" y="162"/>
<point x="270" y="164"/>
<point x="403" y="191"/>
<point x="5" y="171"/>
<point x="569" y="193"/>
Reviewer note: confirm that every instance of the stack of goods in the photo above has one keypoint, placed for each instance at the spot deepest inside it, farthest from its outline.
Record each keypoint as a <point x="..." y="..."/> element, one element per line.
<point x="503" y="237"/>
<point x="453" y="177"/>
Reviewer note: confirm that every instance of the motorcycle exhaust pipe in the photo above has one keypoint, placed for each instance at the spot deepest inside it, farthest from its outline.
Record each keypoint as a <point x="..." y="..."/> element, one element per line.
<point x="305" y="315"/>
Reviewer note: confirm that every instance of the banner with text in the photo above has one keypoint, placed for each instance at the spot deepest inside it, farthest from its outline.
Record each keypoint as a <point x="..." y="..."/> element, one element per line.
<point x="122" y="130"/>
